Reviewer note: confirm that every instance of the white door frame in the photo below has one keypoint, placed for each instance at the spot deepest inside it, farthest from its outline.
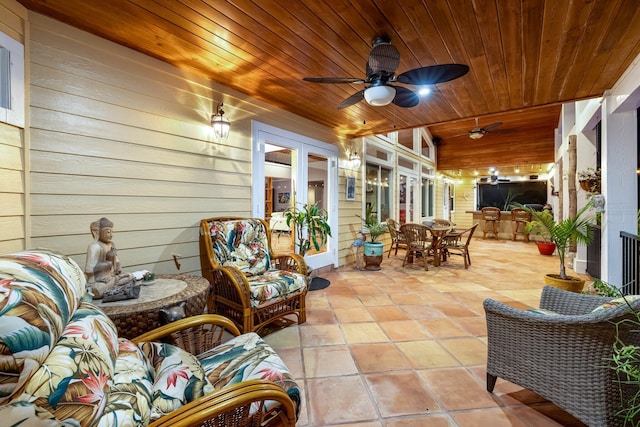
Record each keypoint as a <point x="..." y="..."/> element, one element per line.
<point x="266" y="134"/>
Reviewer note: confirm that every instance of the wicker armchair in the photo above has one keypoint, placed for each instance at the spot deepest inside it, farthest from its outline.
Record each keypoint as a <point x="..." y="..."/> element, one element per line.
<point x="563" y="357"/>
<point x="249" y="403"/>
<point x="251" y="285"/>
<point x="419" y="243"/>
<point x="458" y="244"/>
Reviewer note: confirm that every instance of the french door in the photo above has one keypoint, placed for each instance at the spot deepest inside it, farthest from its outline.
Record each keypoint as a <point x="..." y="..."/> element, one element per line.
<point x="301" y="170"/>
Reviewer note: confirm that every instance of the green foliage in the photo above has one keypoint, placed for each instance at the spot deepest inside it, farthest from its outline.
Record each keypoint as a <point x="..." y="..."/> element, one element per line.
<point x="626" y="364"/>
<point x="509" y="199"/>
<point x="310" y="225"/>
<point x="576" y="229"/>
<point x="371" y="223"/>
<point x="604" y="289"/>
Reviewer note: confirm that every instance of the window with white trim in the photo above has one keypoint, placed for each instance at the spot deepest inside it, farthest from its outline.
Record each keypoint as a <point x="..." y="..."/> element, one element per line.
<point x="11" y="81"/>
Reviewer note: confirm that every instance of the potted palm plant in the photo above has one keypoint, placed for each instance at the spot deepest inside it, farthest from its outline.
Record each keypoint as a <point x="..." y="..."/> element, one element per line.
<point x="564" y="233"/>
<point x="310" y="225"/>
<point x="373" y="249"/>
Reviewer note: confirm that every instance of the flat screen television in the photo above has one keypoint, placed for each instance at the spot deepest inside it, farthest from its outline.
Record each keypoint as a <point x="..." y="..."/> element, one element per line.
<point x="503" y="194"/>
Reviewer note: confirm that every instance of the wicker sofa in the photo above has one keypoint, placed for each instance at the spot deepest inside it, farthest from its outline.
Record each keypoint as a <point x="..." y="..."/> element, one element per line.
<point x="63" y="363"/>
<point x="563" y="351"/>
<point x="250" y="284"/>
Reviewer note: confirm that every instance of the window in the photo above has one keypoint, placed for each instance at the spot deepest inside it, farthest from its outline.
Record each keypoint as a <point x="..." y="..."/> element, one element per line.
<point x="428" y="194"/>
<point x="11" y="81"/>
<point x="378" y="192"/>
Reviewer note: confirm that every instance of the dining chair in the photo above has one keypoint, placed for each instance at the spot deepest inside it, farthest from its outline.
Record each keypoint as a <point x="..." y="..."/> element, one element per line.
<point x="459" y="245"/>
<point x="441" y="222"/>
<point x="419" y="242"/>
<point x="397" y="238"/>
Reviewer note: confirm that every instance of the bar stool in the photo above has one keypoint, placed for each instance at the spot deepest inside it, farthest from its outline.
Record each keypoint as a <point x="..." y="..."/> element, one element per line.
<point x="491" y="217"/>
<point x="519" y="219"/>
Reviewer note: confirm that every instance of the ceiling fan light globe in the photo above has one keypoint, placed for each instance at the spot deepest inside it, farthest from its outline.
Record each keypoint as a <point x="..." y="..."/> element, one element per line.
<point x="476" y="135"/>
<point x="379" y="95"/>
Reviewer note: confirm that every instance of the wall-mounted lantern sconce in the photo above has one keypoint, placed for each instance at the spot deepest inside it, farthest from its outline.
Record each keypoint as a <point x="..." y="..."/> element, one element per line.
<point x="353" y="157"/>
<point x="221" y="126"/>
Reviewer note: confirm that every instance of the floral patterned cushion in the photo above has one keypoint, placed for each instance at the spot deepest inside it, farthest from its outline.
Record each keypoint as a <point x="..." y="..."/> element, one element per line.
<point x="130" y="396"/>
<point x="275" y="285"/>
<point x="242" y="244"/>
<point x="73" y="380"/>
<point x="616" y="303"/>
<point x="26" y="414"/>
<point x="178" y="377"/>
<point x="39" y="292"/>
<point x="248" y="357"/>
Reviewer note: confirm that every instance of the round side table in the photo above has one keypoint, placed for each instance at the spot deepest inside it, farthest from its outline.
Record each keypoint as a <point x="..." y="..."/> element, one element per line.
<point x="133" y="317"/>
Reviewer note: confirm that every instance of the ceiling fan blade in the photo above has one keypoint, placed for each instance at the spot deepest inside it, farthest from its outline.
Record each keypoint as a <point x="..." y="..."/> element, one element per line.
<point x="433" y="74"/>
<point x="500" y="131"/>
<point x="353" y="99"/>
<point x="405" y="98"/>
<point x="492" y="125"/>
<point x="385" y="58"/>
<point x="332" y="80"/>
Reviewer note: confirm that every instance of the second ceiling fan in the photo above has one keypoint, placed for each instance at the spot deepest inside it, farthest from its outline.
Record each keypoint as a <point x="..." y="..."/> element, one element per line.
<point x="381" y="67"/>
<point x="478" y="132"/>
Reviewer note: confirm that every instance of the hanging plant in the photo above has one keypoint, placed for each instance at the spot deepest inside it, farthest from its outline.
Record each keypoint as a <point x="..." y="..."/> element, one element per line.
<point x="589" y="180"/>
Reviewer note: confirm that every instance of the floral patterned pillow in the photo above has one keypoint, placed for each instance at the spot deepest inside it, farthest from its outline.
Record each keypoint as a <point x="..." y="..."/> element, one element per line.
<point x="130" y="395"/>
<point x="616" y="303"/>
<point x="178" y="377"/>
<point x="242" y="244"/>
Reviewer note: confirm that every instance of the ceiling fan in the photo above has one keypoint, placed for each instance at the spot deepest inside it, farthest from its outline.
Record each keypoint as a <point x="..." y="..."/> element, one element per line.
<point x="478" y="132"/>
<point x="381" y="67"/>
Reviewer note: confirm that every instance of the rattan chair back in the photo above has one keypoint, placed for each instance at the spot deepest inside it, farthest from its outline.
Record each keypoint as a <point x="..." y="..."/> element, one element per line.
<point x="419" y="242"/>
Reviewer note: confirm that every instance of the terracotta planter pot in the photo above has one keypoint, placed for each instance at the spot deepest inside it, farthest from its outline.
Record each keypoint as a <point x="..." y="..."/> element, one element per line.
<point x="590" y="185"/>
<point x="572" y="284"/>
<point x="546" y="248"/>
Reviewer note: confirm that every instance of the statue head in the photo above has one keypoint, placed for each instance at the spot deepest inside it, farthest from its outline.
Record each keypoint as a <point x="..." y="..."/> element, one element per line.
<point x="104" y="229"/>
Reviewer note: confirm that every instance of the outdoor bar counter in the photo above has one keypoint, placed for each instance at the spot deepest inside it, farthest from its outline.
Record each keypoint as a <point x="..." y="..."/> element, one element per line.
<point x="504" y="227"/>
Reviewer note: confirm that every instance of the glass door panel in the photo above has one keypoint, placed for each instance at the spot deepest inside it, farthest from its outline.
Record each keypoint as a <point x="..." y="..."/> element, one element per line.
<point x="317" y="178"/>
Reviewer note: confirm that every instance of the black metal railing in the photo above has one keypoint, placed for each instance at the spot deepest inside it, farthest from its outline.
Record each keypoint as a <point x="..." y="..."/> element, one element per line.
<point x="630" y="263"/>
<point x="593" y="253"/>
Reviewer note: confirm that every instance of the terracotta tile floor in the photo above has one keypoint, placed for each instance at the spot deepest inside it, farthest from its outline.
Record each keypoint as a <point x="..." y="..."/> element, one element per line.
<point x="405" y="347"/>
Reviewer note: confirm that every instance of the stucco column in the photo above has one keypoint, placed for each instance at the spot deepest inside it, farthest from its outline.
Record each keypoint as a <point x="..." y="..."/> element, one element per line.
<point x="619" y="184"/>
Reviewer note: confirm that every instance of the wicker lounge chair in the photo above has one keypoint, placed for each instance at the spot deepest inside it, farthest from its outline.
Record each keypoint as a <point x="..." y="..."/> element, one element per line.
<point x="256" y="402"/>
<point x="563" y="357"/>
<point x="251" y="285"/>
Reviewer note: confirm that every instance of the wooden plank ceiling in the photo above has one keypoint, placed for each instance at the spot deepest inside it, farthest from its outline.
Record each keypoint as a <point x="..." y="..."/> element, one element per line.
<point x="526" y="57"/>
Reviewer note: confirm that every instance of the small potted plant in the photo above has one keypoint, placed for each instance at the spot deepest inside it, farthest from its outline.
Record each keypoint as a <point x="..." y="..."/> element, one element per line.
<point x="589" y="180"/>
<point x="564" y="233"/>
<point x="311" y="227"/>
<point x="373" y="249"/>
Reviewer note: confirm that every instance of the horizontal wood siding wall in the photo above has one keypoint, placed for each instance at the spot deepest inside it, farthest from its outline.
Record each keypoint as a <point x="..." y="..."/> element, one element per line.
<point x="118" y="134"/>
<point x="12" y="151"/>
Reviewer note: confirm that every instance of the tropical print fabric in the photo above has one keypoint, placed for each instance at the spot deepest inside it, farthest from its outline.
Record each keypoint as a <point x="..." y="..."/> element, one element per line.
<point x="73" y="381"/>
<point x="62" y="364"/>
<point x="26" y="414"/>
<point x="39" y="292"/>
<point x="179" y="377"/>
<point x="617" y="302"/>
<point x="130" y="395"/>
<point x="275" y="285"/>
<point x="243" y="244"/>
<point x="247" y="357"/>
